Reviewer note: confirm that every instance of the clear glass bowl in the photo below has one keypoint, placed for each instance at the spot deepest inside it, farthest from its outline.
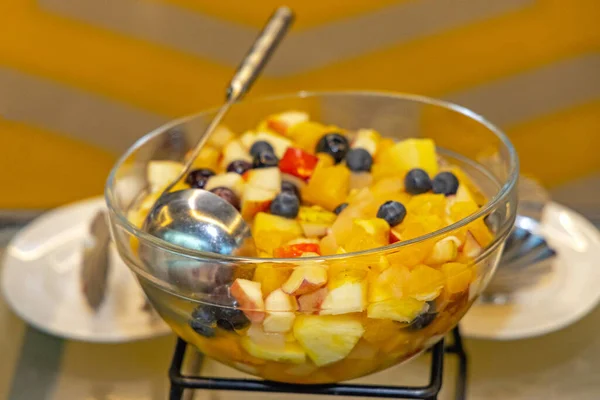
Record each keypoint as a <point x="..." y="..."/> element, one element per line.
<point x="317" y="350"/>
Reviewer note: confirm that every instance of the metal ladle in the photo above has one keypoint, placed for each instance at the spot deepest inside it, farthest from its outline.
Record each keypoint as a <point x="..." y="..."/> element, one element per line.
<point x="198" y="219"/>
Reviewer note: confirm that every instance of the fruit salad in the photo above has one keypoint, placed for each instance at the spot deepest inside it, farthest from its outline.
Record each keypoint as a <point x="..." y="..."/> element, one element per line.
<point x="310" y="190"/>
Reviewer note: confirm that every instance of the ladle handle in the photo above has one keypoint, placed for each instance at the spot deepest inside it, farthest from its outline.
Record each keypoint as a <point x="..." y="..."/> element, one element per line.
<point x="249" y="69"/>
<point x="259" y="54"/>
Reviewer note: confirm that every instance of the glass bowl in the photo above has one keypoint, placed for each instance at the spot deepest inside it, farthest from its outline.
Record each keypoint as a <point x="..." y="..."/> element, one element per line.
<point x="342" y="340"/>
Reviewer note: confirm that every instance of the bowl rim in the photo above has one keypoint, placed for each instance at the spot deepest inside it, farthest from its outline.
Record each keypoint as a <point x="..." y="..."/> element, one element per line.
<point x="505" y="190"/>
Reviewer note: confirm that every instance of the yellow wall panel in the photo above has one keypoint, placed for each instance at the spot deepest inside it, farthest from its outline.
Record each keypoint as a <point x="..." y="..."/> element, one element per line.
<point x="308" y="12"/>
<point x="44" y="169"/>
<point x="560" y="147"/>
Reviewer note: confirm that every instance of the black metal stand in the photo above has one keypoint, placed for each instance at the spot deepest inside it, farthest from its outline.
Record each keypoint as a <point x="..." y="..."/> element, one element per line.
<point x="180" y="382"/>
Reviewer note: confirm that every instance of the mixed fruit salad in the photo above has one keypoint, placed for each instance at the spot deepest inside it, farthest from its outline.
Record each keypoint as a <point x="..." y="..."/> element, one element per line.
<point x="308" y="190"/>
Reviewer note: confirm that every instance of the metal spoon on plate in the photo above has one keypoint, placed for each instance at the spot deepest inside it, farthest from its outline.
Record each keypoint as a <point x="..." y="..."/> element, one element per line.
<point x="198" y="219"/>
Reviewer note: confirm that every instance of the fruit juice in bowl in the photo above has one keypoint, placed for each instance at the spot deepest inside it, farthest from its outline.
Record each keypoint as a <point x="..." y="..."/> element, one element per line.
<point x="377" y="218"/>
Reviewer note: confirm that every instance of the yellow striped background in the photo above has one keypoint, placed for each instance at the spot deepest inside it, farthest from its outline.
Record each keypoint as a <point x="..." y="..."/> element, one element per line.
<point x="63" y="54"/>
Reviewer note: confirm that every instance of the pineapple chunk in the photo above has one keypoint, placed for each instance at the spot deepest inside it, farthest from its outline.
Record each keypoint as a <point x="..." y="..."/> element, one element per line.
<point x="458" y="277"/>
<point x="208" y="158"/>
<point x="327" y="339"/>
<point x="315" y="220"/>
<point x="347" y="298"/>
<point x="402" y="310"/>
<point x="408" y="154"/>
<point x="367" y="234"/>
<point x="287" y="353"/>
<point x="271" y="231"/>
<point x="328" y="186"/>
<point x="271" y="277"/>
<point x="306" y="134"/>
<point x="425" y="283"/>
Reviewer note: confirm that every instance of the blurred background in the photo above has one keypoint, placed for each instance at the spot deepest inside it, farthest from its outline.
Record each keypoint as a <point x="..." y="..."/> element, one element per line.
<point x="81" y="80"/>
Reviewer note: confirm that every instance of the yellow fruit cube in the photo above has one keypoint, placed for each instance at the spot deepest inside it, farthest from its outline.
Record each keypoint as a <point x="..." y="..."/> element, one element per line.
<point x="458" y="277"/>
<point x="425" y="283"/>
<point x="328" y="186"/>
<point x="271" y="231"/>
<point x="306" y="134"/>
<point x="327" y="339"/>
<point x="287" y="353"/>
<point x="411" y="153"/>
<point x="367" y="234"/>
<point x="402" y="310"/>
<point x="389" y="284"/>
<point x="427" y="204"/>
<point x="271" y="277"/>
<point x="208" y="158"/>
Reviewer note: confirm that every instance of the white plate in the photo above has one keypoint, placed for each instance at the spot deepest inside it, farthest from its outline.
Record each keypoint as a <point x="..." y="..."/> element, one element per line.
<point x="40" y="281"/>
<point x="570" y="291"/>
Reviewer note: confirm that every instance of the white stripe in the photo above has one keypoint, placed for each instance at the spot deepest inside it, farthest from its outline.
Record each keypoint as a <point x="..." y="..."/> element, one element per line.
<point x="535" y="93"/>
<point x="226" y="42"/>
<point x="106" y="123"/>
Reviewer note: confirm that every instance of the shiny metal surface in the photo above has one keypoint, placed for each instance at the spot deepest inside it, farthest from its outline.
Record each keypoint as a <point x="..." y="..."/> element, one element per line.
<point x="199" y="220"/>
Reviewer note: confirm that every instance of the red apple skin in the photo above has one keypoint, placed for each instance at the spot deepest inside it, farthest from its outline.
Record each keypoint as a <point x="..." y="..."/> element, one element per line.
<point x="250" y="303"/>
<point x="311" y="302"/>
<point x="311" y="280"/>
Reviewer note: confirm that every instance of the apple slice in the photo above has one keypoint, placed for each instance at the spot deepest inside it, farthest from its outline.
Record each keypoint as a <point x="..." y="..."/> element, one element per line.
<point x="255" y="200"/>
<point x="305" y="279"/>
<point x="444" y="251"/>
<point x="280" y="123"/>
<point x="220" y="137"/>
<point x="280" y="309"/>
<point x="230" y="180"/>
<point x="234" y="150"/>
<point x="310" y="303"/>
<point x="394" y="236"/>
<point x="247" y="139"/>
<point x="314" y="230"/>
<point x="162" y="173"/>
<point x="265" y="178"/>
<point x="471" y="247"/>
<point x="348" y="298"/>
<point x="249" y="296"/>
<point x="327" y="339"/>
<point x="288" y="353"/>
<point x="366" y="139"/>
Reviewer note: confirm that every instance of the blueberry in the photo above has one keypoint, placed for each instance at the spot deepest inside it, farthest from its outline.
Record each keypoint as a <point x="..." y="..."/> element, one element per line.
<point x="232" y="319"/>
<point x="340" y="208"/>
<point x="422" y="321"/>
<point x="287" y="186"/>
<point x="445" y="183"/>
<point x="203" y="319"/>
<point x="285" y="205"/>
<point x="333" y="144"/>
<point x="392" y="212"/>
<point x="198" y="177"/>
<point x="239" y="166"/>
<point x="265" y="159"/>
<point x="359" y="160"/>
<point x="228" y="195"/>
<point x="259" y="147"/>
<point x="417" y="181"/>
<point x="202" y="329"/>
